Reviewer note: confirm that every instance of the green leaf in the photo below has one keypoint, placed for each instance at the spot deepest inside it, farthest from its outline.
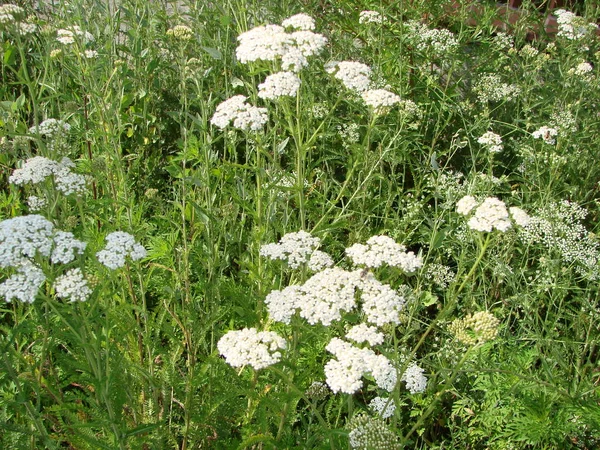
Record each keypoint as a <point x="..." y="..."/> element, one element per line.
<point x="213" y="52"/>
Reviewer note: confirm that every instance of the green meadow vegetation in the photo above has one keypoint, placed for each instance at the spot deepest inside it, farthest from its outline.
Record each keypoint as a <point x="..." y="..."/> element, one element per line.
<point x="298" y="225"/>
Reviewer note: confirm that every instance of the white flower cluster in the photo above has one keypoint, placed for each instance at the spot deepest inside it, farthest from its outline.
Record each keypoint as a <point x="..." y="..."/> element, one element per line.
<point x="68" y="36"/>
<point x="326" y="295"/>
<point x="365" y="333"/>
<point x="244" y="116"/>
<point x="381" y="100"/>
<point x="51" y="128"/>
<point x="23" y="285"/>
<point x="380" y="303"/>
<point x="492" y="141"/>
<point x="440" y="42"/>
<point x="368" y="433"/>
<point x="440" y="275"/>
<point x="251" y="347"/>
<point x="344" y="373"/>
<point x="299" y="22"/>
<point x="572" y="26"/>
<point x="119" y="245"/>
<point x="36" y="203"/>
<point x="273" y="43"/>
<point x="35" y="170"/>
<point x="370" y="17"/>
<point x="280" y="84"/>
<point x="23" y="238"/>
<point x="381" y="250"/>
<point x="353" y="75"/>
<point x="558" y="227"/>
<point x="90" y="54"/>
<point x="319" y="261"/>
<point x="72" y="286"/>
<point x="489" y="214"/>
<point x="294" y="248"/>
<point x="383" y="407"/>
<point x="12" y="16"/>
<point x="490" y="88"/>
<point x="520" y="217"/>
<point x="415" y="380"/>
<point x="547" y="134"/>
<point x="582" y="70"/>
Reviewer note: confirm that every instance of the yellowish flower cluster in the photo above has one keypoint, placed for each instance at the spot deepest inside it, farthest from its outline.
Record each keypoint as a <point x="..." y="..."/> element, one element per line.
<point x="476" y="328"/>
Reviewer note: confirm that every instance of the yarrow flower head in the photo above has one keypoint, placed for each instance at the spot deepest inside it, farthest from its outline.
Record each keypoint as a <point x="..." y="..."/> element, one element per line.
<point x="299" y="22"/>
<point x="294" y="248"/>
<point x="582" y="70"/>
<point x="258" y="349"/>
<point x="353" y="75"/>
<point x="548" y="134"/>
<point x="475" y="329"/>
<point x="72" y="286"/>
<point x="490" y="88"/>
<point x="345" y="373"/>
<point x="51" y="128"/>
<point x="415" y="379"/>
<point x="68" y="36"/>
<point x="273" y="43"/>
<point x="370" y="17"/>
<point x="365" y="333"/>
<point x="383" y="407"/>
<point x="281" y="84"/>
<point x="24" y="237"/>
<point x="492" y="141"/>
<point x="381" y="100"/>
<point x="35" y="170"/>
<point x="572" y="26"/>
<point x="119" y="245"/>
<point x="381" y="250"/>
<point x="23" y="285"/>
<point x="490" y="214"/>
<point x="244" y="116"/>
<point x="520" y="217"/>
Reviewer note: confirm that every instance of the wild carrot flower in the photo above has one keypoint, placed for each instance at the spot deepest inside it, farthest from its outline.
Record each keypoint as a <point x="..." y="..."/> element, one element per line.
<point x="476" y="328"/>
<point x="367" y="433"/>
<point x="251" y="347"/>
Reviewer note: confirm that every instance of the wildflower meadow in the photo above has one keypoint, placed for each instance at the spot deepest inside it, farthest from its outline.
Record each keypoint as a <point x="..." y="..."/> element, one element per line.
<point x="299" y="225"/>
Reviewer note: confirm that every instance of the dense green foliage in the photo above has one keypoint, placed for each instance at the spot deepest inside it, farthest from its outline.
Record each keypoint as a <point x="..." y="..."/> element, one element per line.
<point x="137" y="364"/>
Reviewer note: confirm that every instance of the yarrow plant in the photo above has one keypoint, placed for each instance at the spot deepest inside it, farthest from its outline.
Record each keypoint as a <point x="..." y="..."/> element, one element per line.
<point x="491" y="141"/>
<point x="243" y="115"/>
<point x="354" y="75"/>
<point x="249" y="347"/>
<point x="280" y="84"/>
<point x="489" y="215"/>
<point x="119" y="246"/>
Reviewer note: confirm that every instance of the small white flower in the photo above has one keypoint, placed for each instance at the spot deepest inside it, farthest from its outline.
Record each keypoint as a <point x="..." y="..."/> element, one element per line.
<point x="65" y="247"/>
<point x="294" y="248"/>
<point x="384" y="407"/>
<point x="24" y="285"/>
<point x="250" y="347"/>
<point x="72" y="286"/>
<point x="415" y="380"/>
<point x="492" y="213"/>
<point x="492" y="141"/>
<point x="353" y="75"/>
<point x="520" y="217"/>
<point x="547" y="134"/>
<point x="119" y="245"/>
<point x="365" y="333"/>
<point x="281" y="84"/>
<point x="381" y="250"/>
<point x="299" y="22"/>
<point x="244" y="116"/>
<point x="466" y="204"/>
<point x="370" y="17"/>
<point x="23" y="237"/>
<point x="380" y="99"/>
<point x="90" y="54"/>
